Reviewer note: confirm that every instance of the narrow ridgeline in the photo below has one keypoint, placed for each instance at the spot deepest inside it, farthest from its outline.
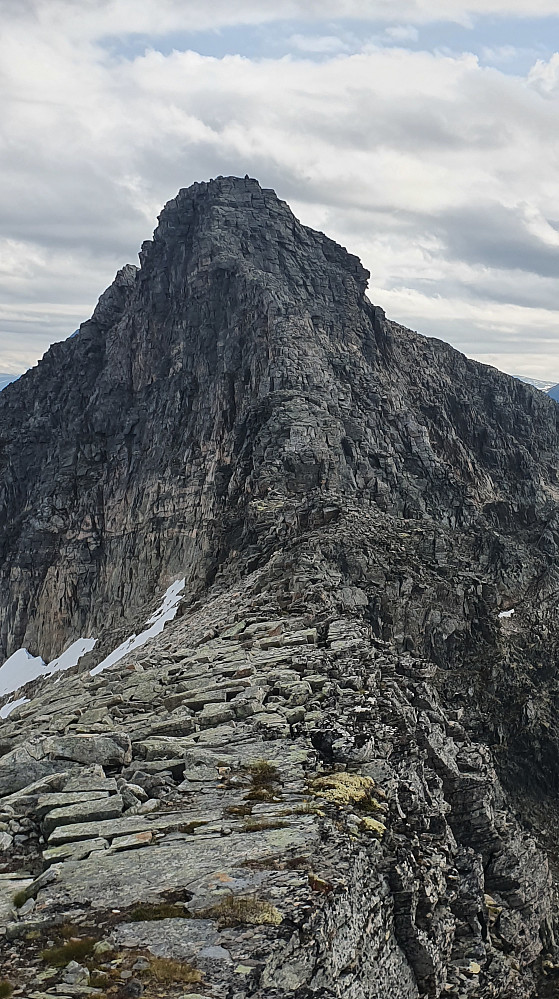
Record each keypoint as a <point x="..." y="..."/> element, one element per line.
<point x="333" y="774"/>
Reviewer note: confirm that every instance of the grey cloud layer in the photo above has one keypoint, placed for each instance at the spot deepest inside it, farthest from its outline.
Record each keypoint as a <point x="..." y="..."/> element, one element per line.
<point x="102" y="17"/>
<point x="440" y="173"/>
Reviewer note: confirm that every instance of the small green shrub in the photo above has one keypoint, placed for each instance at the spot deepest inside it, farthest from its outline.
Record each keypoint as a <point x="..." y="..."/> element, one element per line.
<point x="20" y="898"/>
<point x="6" y="990"/>
<point x="263" y="772"/>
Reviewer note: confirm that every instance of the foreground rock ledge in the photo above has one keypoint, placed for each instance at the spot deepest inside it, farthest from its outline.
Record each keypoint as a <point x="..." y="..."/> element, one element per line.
<point x="327" y="830"/>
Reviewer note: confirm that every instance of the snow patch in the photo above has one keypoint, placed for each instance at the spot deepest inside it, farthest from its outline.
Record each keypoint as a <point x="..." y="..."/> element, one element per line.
<point x="155" y="625"/>
<point x="12" y="705"/>
<point x="22" y="667"/>
<point x="508" y="613"/>
<point x="72" y="655"/>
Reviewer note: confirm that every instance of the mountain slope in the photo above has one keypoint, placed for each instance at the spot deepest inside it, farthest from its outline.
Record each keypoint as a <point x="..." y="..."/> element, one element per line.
<point x="340" y="760"/>
<point x="242" y="364"/>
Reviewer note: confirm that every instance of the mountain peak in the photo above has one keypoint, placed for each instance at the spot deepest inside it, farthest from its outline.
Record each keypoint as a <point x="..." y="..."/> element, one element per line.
<point x="309" y="555"/>
<point x="234" y="224"/>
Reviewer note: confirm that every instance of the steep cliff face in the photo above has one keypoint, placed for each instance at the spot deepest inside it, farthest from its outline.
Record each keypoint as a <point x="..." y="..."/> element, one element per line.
<point x="340" y="762"/>
<point x="241" y="363"/>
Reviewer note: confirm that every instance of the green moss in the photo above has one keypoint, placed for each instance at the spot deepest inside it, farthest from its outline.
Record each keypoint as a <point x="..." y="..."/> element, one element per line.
<point x="6" y="990"/>
<point x="153" y="912"/>
<point x="353" y="790"/>
<point x="343" y="788"/>
<point x="20" y="898"/>
<point x="73" y="950"/>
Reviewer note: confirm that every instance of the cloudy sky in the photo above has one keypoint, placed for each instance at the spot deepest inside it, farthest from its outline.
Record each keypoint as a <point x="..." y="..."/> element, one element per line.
<point x="422" y="134"/>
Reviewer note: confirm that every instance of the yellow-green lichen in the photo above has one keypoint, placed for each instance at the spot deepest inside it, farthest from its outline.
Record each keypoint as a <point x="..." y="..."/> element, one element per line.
<point x="372" y="826"/>
<point x="344" y="789"/>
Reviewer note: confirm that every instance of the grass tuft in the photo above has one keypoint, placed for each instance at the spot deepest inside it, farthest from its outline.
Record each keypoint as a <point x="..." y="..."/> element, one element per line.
<point x="233" y="910"/>
<point x="20" y="898"/>
<point x="74" y="950"/>
<point x="256" y="825"/>
<point x="162" y="910"/>
<point x="6" y="990"/>
<point x="166" y="971"/>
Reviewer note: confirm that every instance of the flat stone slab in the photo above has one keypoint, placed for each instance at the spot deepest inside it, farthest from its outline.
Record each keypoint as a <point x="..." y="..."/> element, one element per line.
<point x="128" y="824"/>
<point x="180" y="939"/>
<point x="107" y="750"/>
<point x="74" y="851"/>
<point x="99" y="809"/>
<point x="47" y="802"/>
<point x="118" y="880"/>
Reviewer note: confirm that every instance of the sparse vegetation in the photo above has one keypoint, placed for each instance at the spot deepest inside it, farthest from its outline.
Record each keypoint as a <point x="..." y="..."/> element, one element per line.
<point x="166" y="971"/>
<point x="263" y="772"/>
<point x="319" y="884"/>
<point x="162" y="910"/>
<point x="6" y="990"/>
<point x="266" y="782"/>
<point x="256" y="825"/>
<point x="239" y="810"/>
<point x="20" y="898"/>
<point x="343" y="789"/>
<point x="73" y="950"/>
<point x="69" y="931"/>
<point x="235" y="910"/>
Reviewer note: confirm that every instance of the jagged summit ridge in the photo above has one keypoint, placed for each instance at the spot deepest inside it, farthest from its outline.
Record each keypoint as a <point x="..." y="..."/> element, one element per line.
<point x="218" y="400"/>
<point x="235" y="224"/>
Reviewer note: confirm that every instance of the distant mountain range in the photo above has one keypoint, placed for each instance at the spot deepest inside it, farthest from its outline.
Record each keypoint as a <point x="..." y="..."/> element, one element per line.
<point x="551" y="388"/>
<point x="6" y="379"/>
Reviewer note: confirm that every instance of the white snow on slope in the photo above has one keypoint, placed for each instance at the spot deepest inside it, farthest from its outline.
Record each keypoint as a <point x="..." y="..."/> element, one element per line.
<point x="72" y="655"/>
<point x="19" y="669"/>
<point x="12" y="705"/>
<point x="508" y="613"/>
<point x="22" y="667"/>
<point x="154" y="626"/>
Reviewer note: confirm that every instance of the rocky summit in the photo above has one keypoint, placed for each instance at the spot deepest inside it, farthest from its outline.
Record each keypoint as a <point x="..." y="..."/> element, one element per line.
<point x="327" y="767"/>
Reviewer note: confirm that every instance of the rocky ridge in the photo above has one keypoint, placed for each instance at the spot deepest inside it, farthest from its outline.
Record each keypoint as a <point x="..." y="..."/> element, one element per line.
<point x="335" y="773"/>
<point x="283" y="809"/>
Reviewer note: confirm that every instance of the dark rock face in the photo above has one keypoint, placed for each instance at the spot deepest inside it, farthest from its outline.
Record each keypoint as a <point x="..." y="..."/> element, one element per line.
<point x="240" y="372"/>
<point x="339" y="759"/>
